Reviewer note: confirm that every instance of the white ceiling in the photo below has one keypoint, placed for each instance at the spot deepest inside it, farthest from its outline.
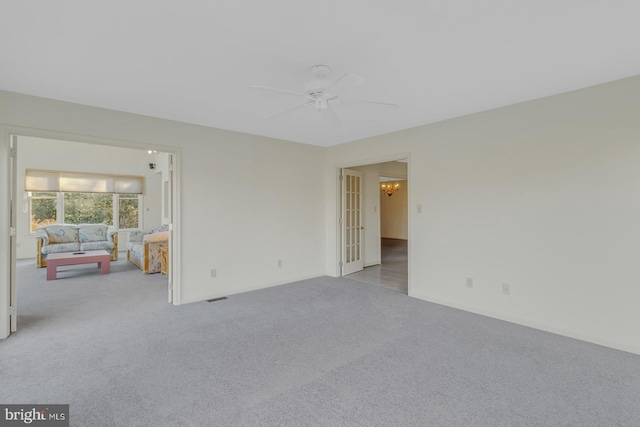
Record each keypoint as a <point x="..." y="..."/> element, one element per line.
<point x="194" y="60"/>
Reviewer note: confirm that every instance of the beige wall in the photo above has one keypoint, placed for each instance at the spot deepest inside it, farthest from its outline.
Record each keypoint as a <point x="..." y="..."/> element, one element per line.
<point x="541" y="195"/>
<point x="393" y="212"/>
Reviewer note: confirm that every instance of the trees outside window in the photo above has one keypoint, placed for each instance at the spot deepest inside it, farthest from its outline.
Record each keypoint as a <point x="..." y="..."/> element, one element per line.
<point x="85" y="208"/>
<point x="88" y="208"/>
<point x="44" y="209"/>
<point x="128" y="212"/>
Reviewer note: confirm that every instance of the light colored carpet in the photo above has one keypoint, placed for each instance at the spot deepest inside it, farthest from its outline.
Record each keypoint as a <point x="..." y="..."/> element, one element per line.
<point x="322" y="352"/>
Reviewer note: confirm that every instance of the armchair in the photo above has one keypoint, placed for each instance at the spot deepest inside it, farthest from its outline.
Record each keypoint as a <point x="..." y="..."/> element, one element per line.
<point x="144" y="248"/>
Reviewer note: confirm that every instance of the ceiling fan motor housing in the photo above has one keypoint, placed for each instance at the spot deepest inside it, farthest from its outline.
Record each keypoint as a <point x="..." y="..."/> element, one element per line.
<point x="320" y="82"/>
<point x="320" y="71"/>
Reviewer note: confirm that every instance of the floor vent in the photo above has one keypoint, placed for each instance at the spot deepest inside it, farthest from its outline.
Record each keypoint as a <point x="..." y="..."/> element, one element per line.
<point x="216" y="299"/>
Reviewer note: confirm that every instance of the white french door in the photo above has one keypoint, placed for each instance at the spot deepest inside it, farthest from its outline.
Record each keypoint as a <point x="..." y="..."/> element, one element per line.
<point x="169" y="212"/>
<point x="13" y="300"/>
<point x="352" y="256"/>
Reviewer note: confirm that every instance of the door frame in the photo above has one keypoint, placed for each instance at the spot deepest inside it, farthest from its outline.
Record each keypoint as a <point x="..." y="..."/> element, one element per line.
<point x="7" y="206"/>
<point x="338" y="167"/>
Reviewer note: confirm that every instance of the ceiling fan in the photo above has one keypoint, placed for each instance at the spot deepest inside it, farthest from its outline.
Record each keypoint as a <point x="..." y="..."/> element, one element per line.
<point x="319" y="94"/>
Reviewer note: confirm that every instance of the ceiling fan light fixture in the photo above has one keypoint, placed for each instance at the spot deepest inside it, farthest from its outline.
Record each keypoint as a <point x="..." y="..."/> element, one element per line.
<point x="319" y="93"/>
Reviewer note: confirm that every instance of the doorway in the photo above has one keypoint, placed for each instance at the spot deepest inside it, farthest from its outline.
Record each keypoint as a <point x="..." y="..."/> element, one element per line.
<point x="384" y="223"/>
<point x="151" y="207"/>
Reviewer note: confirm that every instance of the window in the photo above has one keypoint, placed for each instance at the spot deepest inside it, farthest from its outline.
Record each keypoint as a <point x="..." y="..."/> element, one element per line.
<point x="84" y="197"/>
<point x="43" y="209"/>
<point x="88" y="208"/>
<point x="128" y="211"/>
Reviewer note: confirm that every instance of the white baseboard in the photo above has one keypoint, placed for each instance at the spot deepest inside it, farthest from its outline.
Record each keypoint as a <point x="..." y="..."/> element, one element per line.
<point x="252" y="288"/>
<point x="528" y="322"/>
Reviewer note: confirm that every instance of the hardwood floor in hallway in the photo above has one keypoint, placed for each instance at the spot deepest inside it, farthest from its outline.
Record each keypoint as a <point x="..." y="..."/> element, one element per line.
<point x="393" y="272"/>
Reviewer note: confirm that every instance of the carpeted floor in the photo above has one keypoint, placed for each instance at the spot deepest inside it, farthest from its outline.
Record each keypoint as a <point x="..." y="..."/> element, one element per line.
<point x="322" y="352"/>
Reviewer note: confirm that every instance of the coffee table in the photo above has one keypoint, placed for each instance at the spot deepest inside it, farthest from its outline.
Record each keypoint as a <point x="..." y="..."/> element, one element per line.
<point x="73" y="258"/>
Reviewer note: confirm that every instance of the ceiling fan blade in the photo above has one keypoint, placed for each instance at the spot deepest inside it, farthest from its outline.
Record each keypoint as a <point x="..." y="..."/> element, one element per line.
<point x="359" y="80"/>
<point x="329" y="114"/>
<point x="273" y="89"/>
<point x="387" y="104"/>
<point x="288" y="110"/>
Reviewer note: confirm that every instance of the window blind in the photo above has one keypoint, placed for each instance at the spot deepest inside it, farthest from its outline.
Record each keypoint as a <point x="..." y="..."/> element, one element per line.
<point x="81" y="182"/>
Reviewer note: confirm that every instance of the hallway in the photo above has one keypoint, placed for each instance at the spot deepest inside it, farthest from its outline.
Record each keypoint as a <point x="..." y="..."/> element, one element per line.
<point x="393" y="272"/>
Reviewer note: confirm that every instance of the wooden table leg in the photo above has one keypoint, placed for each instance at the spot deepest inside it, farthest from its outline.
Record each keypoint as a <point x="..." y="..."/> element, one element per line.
<point x="51" y="271"/>
<point x="105" y="266"/>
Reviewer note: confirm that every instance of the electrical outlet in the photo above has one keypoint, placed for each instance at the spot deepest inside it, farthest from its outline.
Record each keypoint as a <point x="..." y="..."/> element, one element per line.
<point x="214" y="273"/>
<point x="506" y="289"/>
<point x="469" y="282"/>
<point x="419" y="209"/>
<point x="279" y="263"/>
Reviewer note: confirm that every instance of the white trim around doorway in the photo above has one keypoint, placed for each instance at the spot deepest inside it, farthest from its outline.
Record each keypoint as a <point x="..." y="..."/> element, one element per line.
<point x="338" y="167"/>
